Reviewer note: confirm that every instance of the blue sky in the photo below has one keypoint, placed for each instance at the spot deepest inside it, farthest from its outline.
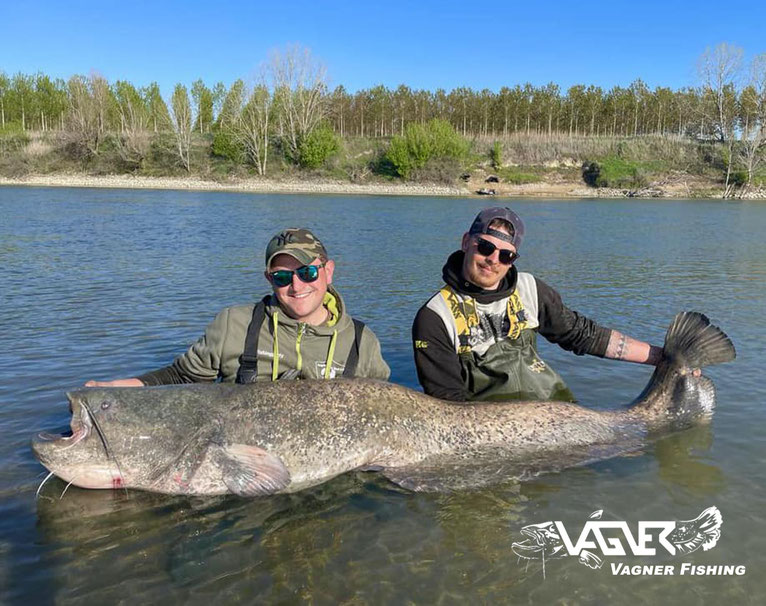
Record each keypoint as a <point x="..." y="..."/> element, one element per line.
<point x="422" y="44"/>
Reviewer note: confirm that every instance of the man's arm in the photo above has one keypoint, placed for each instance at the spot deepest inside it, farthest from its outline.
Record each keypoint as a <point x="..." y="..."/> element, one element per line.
<point x="436" y="360"/>
<point x="132" y="382"/>
<point x="371" y="363"/>
<point x="623" y="347"/>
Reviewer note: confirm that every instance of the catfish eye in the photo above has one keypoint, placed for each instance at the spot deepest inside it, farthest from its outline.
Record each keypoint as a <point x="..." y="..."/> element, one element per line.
<point x="105" y="404"/>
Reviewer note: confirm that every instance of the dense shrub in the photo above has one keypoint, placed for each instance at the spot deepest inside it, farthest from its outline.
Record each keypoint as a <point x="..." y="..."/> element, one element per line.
<point x="317" y="147"/>
<point x="225" y="146"/>
<point x="613" y="171"/>
<point x="738" y="178"/>
<point x="423" y="142"/>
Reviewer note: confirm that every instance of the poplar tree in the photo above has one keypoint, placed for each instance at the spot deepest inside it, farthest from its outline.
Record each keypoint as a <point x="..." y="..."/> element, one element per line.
<point x="159" y="115"/>
<point x="4" y="85"/>
<point x="203" y="105"/>
<point x="181" y="121"/>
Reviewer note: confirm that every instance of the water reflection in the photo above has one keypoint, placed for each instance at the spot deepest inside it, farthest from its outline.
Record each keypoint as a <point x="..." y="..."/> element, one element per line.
<point x="684" y="465"/>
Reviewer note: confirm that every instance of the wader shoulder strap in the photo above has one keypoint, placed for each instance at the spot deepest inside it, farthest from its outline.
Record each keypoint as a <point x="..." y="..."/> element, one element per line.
<point x="464" y="313"/>
<point x="353" y="355"/>
<point x="517" y="316"/>
<point x="248" y="361"/>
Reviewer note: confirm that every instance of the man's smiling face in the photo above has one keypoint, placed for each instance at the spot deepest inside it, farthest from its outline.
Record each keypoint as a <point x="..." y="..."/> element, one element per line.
<point x="485" y="271"/>
<point x="301" y="300"/>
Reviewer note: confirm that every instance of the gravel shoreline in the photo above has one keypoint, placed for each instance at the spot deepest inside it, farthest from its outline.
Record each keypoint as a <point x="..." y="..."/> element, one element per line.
<point x="560" y="190"/>
<point x="248" y="185"/>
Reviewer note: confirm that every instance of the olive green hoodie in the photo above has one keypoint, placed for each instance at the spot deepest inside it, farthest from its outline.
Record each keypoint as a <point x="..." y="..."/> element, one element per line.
<point x="300" y="350"/>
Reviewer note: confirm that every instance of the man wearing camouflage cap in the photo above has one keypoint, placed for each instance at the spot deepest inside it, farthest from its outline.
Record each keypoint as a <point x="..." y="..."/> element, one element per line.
<point x="476" y="339"/>
<point x="300" y="330"/>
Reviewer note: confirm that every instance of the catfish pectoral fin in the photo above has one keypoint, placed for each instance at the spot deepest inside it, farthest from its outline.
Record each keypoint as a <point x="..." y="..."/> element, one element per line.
<point x="250" y="471"/>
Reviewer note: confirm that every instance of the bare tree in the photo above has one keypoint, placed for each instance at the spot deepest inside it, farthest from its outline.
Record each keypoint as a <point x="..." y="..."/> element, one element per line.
<point x="253" y="129"/>
<point x="181" y="121"/>
<point x="133" y="141"/>
<point x="753" y="128"/>
<point x="719" y="69"/>
<point x="102" y="102"/>
<point x="300" y="92"/>
<point x="82" y="116"/>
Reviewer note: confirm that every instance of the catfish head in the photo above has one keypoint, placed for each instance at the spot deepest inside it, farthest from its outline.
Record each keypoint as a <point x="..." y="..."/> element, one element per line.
<point x="196" y="439"/>
<point x="119" y="438"/>
<point x="80" y="458"/>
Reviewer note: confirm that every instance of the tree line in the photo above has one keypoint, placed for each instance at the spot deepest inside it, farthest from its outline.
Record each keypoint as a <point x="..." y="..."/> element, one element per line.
<point x="290" y="100"/>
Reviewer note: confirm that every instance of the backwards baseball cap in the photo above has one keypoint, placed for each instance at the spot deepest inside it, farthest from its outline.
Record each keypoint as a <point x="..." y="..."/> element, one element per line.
<point x="297" y="242"/>
<point x="481" y="225"/>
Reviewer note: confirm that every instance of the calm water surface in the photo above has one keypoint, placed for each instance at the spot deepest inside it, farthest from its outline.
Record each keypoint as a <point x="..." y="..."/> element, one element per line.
<point x="110" y="283"/>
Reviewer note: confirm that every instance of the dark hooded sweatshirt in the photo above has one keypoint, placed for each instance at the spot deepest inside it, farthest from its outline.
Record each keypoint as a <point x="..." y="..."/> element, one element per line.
<point x="436" y="358"/>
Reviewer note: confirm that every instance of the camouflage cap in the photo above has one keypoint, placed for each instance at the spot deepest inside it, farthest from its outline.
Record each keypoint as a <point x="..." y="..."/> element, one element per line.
<point x="481" y="225"/>
<point x="297" y="242"/>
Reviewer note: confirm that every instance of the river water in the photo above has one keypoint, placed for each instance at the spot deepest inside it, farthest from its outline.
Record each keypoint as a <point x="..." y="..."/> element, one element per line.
<point x="110" y="283"/>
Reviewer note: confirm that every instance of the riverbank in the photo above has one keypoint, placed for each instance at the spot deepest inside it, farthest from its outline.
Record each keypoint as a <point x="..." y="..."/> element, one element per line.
<point x="242" y="185"/>
<point x="681" y="187"/>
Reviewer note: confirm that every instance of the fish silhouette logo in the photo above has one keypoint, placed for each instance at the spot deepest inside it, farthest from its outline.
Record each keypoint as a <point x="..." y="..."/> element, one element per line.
<point x="703" y="531"/>
<point x="550" y="540"/>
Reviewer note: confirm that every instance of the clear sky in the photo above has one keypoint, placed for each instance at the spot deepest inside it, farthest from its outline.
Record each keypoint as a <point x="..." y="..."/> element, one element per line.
<point x="427" y="44"/>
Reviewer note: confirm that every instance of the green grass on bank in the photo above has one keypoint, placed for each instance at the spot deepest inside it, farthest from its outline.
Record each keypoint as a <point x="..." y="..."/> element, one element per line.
<point x="517" y="175"/>
<point x="431" y="153"/>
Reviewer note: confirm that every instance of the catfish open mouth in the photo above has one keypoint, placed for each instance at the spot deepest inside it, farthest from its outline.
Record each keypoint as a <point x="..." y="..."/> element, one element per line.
<point x="81" y="426"/>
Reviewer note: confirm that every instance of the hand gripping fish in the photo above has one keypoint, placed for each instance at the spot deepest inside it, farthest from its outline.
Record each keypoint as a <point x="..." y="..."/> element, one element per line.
<point x="268" y="438"/>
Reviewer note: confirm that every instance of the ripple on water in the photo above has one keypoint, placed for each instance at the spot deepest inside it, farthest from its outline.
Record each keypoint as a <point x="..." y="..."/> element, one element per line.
<point x="109" y="283"/>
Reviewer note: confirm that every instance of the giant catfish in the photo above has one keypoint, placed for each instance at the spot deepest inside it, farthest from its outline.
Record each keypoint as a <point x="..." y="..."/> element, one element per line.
<point x="268" y="438"/>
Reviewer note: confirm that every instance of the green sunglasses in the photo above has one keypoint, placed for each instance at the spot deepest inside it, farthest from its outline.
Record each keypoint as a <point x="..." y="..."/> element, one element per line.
<point x="306" y="273"/>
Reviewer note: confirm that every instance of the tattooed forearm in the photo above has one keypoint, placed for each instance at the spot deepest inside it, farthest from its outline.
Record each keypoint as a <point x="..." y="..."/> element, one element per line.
<point x="620" y="353"/>
<point x="618" y="344"/>
<point x="622" y="347"/>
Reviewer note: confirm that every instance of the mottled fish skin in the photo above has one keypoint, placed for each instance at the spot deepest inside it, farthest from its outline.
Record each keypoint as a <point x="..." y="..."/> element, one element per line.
<point x="268" y="438"/>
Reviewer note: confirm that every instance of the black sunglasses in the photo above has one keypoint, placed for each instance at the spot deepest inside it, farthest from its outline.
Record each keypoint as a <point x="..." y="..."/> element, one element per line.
<point x="283" y="277"/>
<point x="486" y="248"/>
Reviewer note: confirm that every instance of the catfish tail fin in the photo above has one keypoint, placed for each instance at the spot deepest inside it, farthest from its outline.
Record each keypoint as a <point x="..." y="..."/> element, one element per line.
<point x="693" y="342"/>
<point x="674" y="396"/>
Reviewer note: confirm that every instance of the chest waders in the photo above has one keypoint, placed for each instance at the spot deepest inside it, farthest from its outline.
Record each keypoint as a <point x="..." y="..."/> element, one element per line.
<point x="248" y="361"/>
<point x="510" y="368"/>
